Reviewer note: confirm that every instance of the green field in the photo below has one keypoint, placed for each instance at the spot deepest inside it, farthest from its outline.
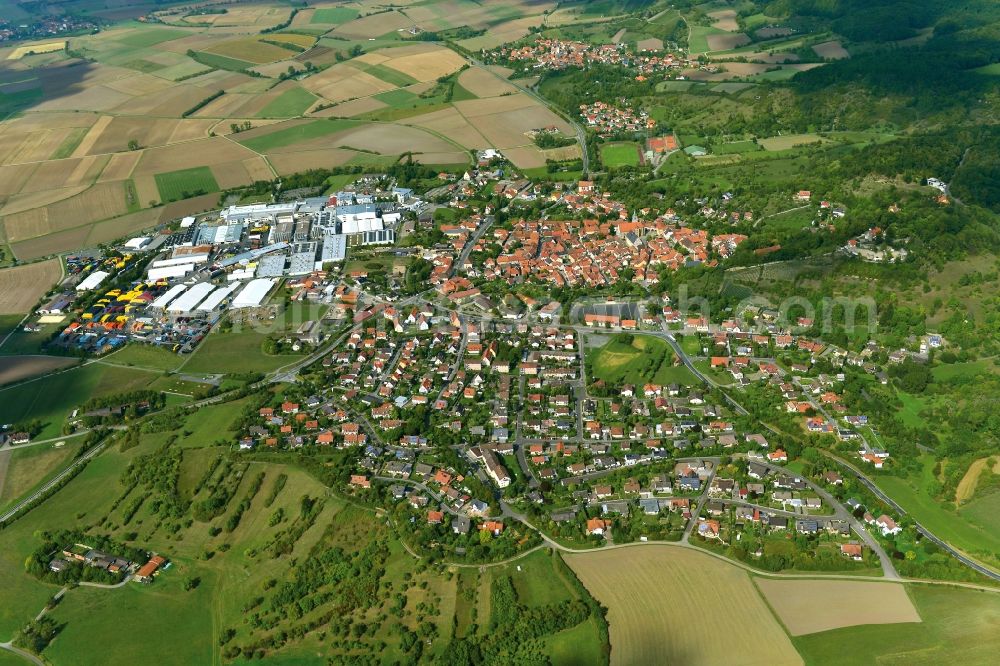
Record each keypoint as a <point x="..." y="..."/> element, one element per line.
<point x="397" y="97"/>
<point x="145" y="356"/>
<point x="70" y="143"/>
<point x="298" y="133"/>
<point x="29" y="466"/>
<point x="959" y="626"/>
<point x="186" y="183"/>
<point x="334" y="15"/>
<point x="735" y="147"/>
<point x="387" y="74"/>
<point x="52" y="398"/>
<point x="644" y="359"/>
<point x="293" y="102"/>
<point x="699" y="37"/>
<point x="221" y="62"/>
<point x="235" y="352"/>
<point x="620" y="154"/>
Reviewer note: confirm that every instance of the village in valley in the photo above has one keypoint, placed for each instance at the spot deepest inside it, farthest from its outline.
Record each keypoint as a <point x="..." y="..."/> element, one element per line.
<point x="444" y="332"/>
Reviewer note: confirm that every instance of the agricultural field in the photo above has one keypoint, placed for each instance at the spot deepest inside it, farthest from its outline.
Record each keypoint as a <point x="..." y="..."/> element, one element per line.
<point x="959" y="626"/>
<point x="185" y="183"/>
<point x="637" y="359"/>
<point x="21" y="287"/>
<point x="18" y="368"/>
<point x="620" y="154"/>
<point x="845" y="604"/>
<point x="653" y="592"/>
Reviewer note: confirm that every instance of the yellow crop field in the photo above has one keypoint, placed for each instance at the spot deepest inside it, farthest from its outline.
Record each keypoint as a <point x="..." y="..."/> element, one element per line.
<point x="22" y="286"/>
<point x="29" y="49"/>
<point x="844" y="603"/>
<point x="660" y="599"/>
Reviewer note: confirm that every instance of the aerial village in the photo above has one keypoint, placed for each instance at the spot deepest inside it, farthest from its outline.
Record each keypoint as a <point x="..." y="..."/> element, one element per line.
<point x="477" y="413"/>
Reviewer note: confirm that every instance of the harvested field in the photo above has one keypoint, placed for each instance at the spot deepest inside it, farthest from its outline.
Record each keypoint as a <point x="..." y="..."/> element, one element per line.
<point x="507" y="125"/>
<point x="788" y="141"/>
<point x="288" y="163"/>
<point x="353" y="108"/>
<point x="483" y="83"/>
<point x="100" y="202"/>
<point x="13" y="178"/>
<point x="66" y="173"/>
<point x="453" y="125"/>
<point x="227" y="106"/>
<point x="43" y="246"/>
<point x="276" y="69"/>
<point x="724" y="19"/>
<point x="844" y="603"/>
<point x="15" y="368"/>
<point x="343" y="82"/>
<point x="656" y="595"/>
<point x="250" y="49"/>
<point x="651" y="44"/>
<point x="208" y="152"/>
<point x="726" y="42"/>
<point x="831" y="50"/>
<point x="760" y="56"/>
<point x="967" y="486"/>
<point x="427" y="64"/>
<point x="502" y="33"/>
<point x="745" y="68"/>
<point x="526" y="157"/>
<point x="391" y="140"/>
<point x="471" y="108"/>
<point x="86" y="146"/>
<point x="20" y="203"/>
<point x="373" y="26"/>
<point x="22" y="286"/>
<point x="109" y="230"/>
<point x="32" y="49"/>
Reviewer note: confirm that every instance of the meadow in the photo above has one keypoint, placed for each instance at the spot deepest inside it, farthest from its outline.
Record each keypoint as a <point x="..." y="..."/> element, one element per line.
<point x="185" y="183"/>
<point x="959" y="626"/>
<point x="620" y="154"/>
<point x="637" y="361"/>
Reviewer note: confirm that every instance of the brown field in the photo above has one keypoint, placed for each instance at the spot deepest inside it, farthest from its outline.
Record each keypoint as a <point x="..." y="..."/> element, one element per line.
<point x="726" y="42"/>
<point x="100" y="202"/>
<point x="390" y="140"/>
<point x="226" y="106"/>
<point x="724" y="19"/>
<point x="302" y="41"/>
<point x="22" y="286"/>
<point x="204" y="152"/>
<point x="453" y="125"/>
<point x="746" y="68"/>
<point x="502" y="33"/>
<point x="18" y="147"/>
<point x="353" y="108"/>
<point x="483" y="83"/>
<point x="169" y="103"/>
<point x="651" y="44"/>
<point x="20" y="203"/>
<point x="525" y="157"/>
<point x="660" y="599"/>
<point x="109" y="230"/>
<point x="13" y="178"/>
<point x="373" y="26"/>
<point x="43" y="246"/>
<point x="427" y="64"/>
<point x="760" y="56"/>
<point x="512" y="117"/>
<point x="288" y="163"/>
<point x="15" y="368"/>
<point x="844" y="603"/>
<point x="343" y="82"/>
<point x="768" y="33"/>
<point x="252" y="50"/>
<point x="831" y="50"/>
<point x="66" y="173"/>
<point x="120" y="166"/>
<point x="443" y="158"/>
<point x="140" y="84"/>
<point x="276" y="69"/>
<point x="44" y="47"/>
<point x="92" y="136"/>
<point x="87" y="98"/>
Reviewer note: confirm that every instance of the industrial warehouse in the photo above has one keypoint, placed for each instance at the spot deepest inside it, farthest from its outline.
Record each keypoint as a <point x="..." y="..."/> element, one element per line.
<point x="170" y="289"/>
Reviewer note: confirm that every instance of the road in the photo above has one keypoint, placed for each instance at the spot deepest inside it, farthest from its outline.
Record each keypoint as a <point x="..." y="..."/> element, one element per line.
<point x="471" y="243"/>
<point x="944" y="545"/>
<point x="581" y="136"/>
